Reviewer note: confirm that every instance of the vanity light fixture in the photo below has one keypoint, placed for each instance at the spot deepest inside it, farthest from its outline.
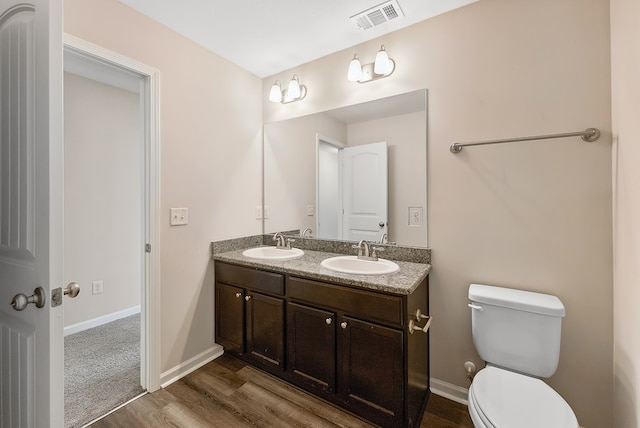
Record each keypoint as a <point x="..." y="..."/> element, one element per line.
<point x="355" y="69"/>
<point x="382" y="67"/>
<point x="294" y="92"/>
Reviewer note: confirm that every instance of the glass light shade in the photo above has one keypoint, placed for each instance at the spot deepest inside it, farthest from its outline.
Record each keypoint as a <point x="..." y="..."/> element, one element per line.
<point x="276" y="93"/>
<point x="294" y="88"/>
<point x="355" y="70"/>
<point x="382" y="64"/>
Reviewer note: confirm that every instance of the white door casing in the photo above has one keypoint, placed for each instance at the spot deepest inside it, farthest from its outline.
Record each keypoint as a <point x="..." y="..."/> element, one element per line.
<point x="365" y="192"/>
<point x="31" y="212"/>
<point x="95" y="60"/>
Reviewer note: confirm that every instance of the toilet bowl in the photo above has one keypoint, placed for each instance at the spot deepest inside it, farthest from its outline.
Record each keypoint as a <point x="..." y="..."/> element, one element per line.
<point x="500" y="398"/>
<point x="518" y="334"/>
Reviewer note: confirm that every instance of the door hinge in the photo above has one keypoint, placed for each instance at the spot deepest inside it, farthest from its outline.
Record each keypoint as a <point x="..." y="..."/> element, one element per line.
<point x="147" y="248"/>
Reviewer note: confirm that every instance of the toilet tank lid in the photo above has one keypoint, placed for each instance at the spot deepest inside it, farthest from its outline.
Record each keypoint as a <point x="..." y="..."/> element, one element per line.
<point x="529" y="301"/>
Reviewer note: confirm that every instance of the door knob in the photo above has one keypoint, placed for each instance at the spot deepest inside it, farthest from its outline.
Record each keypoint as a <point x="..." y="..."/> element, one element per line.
<point x="21" y="301"/>
<point x="72" y="289"/>
<point x="381" y="224"/>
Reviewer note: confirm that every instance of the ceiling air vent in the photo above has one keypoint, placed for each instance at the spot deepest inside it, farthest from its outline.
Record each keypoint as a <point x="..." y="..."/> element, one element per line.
<point x="378" y="15"/>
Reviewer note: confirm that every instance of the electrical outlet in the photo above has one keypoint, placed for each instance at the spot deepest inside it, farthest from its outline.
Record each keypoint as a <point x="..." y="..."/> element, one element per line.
<point x="310" y="211"/>
<point x="415" y="216"/>
<point x="179" y="216"/>
<point x="258" y="212"/>
<point x="96" y="287"/>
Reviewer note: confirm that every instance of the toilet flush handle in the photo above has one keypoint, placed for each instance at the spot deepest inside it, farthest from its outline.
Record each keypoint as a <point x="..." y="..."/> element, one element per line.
<point x="478" y="307"/>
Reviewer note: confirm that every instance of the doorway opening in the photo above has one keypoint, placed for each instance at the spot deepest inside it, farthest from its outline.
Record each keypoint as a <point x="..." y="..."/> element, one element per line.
<point x="111" y="227"/>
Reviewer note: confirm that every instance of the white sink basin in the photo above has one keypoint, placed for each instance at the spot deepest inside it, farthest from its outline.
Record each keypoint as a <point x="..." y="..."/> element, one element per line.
<point x="354" y="265"/>
<point x="273" y="253"/>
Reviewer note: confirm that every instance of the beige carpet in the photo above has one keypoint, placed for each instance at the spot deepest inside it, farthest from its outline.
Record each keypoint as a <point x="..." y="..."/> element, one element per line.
<point x="101" y="370"/>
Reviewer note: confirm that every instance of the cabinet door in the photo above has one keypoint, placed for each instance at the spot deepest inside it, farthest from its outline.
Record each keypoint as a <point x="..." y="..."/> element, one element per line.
<point x="230" y="318"/>
<point x="265" y="329"/>
<point x="371" y="372"/>
<point x="311" y="347"/>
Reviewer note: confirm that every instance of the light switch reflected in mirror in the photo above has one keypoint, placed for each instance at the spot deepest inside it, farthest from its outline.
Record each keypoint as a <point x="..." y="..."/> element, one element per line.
<point x="297" y="175"/>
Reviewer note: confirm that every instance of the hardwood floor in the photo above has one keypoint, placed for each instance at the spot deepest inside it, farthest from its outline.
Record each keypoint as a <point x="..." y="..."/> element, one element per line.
<point x="228" y="393"/>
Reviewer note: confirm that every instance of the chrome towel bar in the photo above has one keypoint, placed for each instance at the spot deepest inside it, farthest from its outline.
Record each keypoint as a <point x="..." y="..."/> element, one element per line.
<point x="589" y="135"/>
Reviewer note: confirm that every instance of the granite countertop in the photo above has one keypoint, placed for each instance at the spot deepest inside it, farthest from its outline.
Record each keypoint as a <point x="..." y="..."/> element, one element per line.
<point x="402" y="282"/>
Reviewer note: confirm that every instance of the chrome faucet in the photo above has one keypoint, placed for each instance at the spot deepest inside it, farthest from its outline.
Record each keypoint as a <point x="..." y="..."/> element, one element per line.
<point x="280" y="241"/>
<point x="363" y="249"/>
<point x="304" y="233"/>
<point x="384" y="239"/>
<point x="365" y="252"/>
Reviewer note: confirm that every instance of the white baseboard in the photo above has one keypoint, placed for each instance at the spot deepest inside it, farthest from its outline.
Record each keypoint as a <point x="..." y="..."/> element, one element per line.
<point x="194" y="363"/>
<point x="450" y="391"/>
<point x="95" y="322"/>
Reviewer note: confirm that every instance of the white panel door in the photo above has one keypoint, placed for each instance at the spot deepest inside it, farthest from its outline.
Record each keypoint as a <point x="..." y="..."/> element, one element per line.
<point x="365" y="192"/>
<point x="31" y="344"/>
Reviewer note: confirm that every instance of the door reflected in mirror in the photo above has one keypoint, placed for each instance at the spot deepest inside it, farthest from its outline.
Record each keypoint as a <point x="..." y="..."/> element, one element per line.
<point x="321" y="172"/>
<point x="351" y="187"/>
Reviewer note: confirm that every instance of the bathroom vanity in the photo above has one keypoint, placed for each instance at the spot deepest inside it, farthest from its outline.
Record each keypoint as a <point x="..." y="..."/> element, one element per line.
<point x="357" y="341"/>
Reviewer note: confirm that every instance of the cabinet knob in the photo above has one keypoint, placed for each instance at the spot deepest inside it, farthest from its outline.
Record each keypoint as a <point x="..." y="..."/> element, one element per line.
<point x="343" y="324"/>
<point x="328" y="321"/>
<point x="238" y="295"/>
<point x="247" y="298"/>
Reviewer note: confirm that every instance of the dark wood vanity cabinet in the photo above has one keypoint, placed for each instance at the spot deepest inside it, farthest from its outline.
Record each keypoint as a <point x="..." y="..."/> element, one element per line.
<point x="348" y="345"/>
<point x="371" y="373"/>
<point x="250" y="314"/>
<point x="311" y="348"/>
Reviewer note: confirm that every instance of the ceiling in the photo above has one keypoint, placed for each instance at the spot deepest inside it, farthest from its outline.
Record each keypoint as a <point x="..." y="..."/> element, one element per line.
<point x="266" y="37"/>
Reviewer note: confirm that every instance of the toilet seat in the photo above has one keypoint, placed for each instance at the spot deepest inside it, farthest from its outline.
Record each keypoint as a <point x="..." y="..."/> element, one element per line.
<point x="500" y="398"/>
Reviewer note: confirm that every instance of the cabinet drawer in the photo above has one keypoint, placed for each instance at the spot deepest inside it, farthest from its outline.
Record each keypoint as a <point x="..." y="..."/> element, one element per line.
<point x="359" y="303"/>
<point x="254" y="279"/>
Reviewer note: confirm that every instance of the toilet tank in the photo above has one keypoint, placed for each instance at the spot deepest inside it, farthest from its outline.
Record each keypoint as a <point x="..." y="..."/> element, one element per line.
<point x="515" y="329"/>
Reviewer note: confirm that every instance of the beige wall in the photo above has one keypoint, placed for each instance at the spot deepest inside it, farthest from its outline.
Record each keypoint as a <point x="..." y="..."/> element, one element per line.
<point x="210" y="159"/>
<point x="625" y="77"/>
<point x="534" y="215"/>
<point x="103" y="193"/>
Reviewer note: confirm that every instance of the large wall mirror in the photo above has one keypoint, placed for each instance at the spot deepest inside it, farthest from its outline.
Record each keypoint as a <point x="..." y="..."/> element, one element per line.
<point x="358" y="172"/>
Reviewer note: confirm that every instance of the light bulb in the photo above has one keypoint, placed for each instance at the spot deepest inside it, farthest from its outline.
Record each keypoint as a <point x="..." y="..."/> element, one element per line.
<point x="294" y="88"/>
<point x="355" y="70"/>
<point x="276" y="93"/>
<point x="382" y="64"/>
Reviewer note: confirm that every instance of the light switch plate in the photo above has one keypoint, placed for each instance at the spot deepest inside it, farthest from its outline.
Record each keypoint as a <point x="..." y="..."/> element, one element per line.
<point x="179" y="216"/>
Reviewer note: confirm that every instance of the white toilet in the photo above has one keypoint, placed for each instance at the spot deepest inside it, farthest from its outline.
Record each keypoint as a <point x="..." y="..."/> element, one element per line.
<point x="518" y="334"/>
